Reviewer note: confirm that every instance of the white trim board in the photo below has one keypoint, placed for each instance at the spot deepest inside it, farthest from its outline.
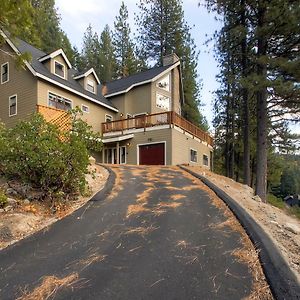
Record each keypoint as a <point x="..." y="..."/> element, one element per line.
<point x="87" y="73"/>
<point x="54" y="54"/>
<point x="150" y="143"/>
<point x="118" y="139"/>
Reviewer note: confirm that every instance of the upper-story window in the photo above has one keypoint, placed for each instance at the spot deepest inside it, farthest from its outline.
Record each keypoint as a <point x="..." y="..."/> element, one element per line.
<point x="163" y="102"/>
<point x="164" y="83"/>
<point x="59" y="69"/>
<point x="205" y="160"/>
<point x="4" y="73"/>
<point x="85" y="108"/>
<point x="59" y="102"/>
<point x="90" y="86"/>
<point x="108" y="118"/>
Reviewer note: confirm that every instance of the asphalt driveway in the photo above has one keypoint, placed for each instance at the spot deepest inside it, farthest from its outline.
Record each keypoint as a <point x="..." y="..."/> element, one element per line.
<point x="155" y="237"/>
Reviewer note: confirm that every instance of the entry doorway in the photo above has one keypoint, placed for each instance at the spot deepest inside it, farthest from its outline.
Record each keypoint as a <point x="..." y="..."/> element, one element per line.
<point x="111" y="155"/>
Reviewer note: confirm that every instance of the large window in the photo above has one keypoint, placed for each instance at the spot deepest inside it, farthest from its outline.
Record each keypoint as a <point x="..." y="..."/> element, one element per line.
<point x="59" y="102"/>
<point x="193" y="154"/>
<point x="12" y="105"/>
<point x="90" y="86"/>
<point x="205" y="160"/>
<point x="4" y="73"/>
<point x="59" y="69"/>
<point x="164" y="83"/>
<point x="163" y="102"/>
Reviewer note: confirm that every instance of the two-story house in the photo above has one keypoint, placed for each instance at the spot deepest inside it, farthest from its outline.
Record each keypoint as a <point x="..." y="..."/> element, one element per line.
<point x="138" y="116"/>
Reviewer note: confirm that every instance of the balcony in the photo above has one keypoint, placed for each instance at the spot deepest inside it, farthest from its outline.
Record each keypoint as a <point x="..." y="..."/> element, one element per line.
<point x="170" y="119"/>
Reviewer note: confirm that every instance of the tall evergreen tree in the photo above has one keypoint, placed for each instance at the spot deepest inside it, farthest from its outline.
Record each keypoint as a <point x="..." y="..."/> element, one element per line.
<point x="269" y="75"/>
<point x="107" y="58"/>
<point x="127" y="63"/>
<point x="90" y="50"/>
<point x="163" y="30"/>
<point x="16" y="23"/>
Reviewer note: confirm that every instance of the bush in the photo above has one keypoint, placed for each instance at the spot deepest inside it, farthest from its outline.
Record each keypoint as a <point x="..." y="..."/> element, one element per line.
<point x="37" y="153"/>
<point x="3" y="199"/>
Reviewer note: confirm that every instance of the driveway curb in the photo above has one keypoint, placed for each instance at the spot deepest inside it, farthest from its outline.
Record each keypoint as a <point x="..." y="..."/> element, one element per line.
<point x="282" y="281"/>
<point x="101" y="195"/>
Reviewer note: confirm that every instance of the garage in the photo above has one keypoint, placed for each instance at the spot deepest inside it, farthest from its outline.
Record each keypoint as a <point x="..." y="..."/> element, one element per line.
<point x="152" y="154"/>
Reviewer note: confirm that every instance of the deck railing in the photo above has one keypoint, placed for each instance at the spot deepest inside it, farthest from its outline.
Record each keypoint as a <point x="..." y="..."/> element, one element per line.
<point x="56" y="116"/>
<point x="167" y="118"/>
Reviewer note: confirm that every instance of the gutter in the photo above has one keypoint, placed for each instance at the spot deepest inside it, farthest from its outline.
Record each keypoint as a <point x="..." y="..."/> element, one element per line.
<point x="283" y="282"/>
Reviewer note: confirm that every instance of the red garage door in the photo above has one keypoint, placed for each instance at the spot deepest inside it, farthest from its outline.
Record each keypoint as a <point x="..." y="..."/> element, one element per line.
<point x="152" y="154"/>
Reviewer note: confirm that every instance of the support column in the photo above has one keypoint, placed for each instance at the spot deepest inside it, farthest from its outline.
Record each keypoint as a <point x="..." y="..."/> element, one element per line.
<point x="118" y="153"/>
<point x="103" y="152"/>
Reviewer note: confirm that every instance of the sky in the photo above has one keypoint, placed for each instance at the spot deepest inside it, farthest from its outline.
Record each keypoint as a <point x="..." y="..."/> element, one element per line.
<point x="75" y="18"/>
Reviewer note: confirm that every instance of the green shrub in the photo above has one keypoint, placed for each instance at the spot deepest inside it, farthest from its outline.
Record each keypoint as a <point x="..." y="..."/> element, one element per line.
<point x="3" y="199"/>
<point x="37" y="153"/>
<point x="275" y="201"/>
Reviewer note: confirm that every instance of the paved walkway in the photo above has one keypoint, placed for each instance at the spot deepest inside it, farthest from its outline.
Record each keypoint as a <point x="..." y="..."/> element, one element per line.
<point x="154" y="238"/>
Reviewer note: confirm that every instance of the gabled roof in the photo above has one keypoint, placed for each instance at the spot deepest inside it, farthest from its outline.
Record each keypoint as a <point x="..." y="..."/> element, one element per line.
<point x="54" y="54"/>
<point x="39" y="70"/>
<point x="124" y="85"/>
<point x="87" y="73"/>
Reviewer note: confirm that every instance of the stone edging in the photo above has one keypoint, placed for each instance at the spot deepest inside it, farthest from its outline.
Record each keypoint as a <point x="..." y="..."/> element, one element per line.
<point x="282" y="281"/>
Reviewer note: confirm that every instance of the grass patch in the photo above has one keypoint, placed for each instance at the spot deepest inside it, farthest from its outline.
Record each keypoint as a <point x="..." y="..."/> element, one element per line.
<point x="273" y="200"/>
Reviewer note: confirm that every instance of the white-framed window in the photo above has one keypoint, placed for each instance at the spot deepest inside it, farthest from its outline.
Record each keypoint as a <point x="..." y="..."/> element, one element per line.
<point x="163" y="102"/>
<point x="108" y="118"/>
<point x="205" y="160"/>
<point x="12" y="105"/>
<point x="128" y="116"/>
<point x="90" y="86"/>
<point x="5" y="73"/>
<point x="59" y="69"/>
<point x="164" y="83"/>
<point x="59" y="102"/>
<point x="193" y="155"/>
<point x="85" y="108"/>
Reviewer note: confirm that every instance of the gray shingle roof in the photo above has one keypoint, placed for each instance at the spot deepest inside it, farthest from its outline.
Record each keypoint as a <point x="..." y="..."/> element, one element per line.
<point x="121" y="85"/>
<point x="42" y="69"/>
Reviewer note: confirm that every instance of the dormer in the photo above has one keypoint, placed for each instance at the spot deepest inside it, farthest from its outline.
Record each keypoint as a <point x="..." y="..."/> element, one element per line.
<point x="57" y="63"/>
<point x="88" y="80"/>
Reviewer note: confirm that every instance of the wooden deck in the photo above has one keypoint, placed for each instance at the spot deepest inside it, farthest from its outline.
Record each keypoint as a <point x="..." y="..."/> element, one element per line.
<point x="167" y="118"/>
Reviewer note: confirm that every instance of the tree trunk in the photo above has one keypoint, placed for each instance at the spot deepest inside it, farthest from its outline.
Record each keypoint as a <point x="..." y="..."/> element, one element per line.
<point x="246" y="131"/>
<point x="261" y="97"/>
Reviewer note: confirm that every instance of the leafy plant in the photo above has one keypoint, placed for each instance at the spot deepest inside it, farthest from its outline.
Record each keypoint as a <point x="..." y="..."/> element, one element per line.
<point x="39" y="154"/>
<point x="3" y="199"/>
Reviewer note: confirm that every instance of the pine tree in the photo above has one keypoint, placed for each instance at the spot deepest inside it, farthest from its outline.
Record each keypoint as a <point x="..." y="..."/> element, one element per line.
<point x="127" y="63"/>
<point x="163" y="30"/>
<point x="269" y="75"/>
<point x="107" y="57"/>
<point x="90" y="53"/>
<point x="16" y="23"/>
